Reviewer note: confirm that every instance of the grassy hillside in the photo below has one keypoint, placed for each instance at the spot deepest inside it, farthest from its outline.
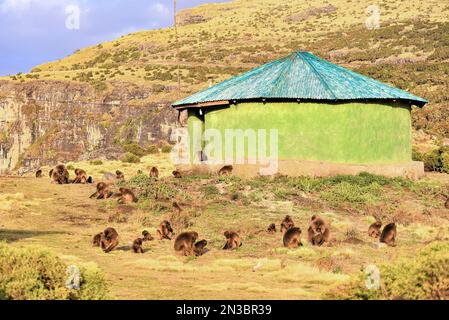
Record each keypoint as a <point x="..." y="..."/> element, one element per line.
<point x="410" y="50"/>
<point x="62" y="218"/>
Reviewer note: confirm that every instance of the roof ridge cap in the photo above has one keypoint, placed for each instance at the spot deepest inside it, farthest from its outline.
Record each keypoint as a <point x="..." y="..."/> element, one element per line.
<point x="320" y="78"/>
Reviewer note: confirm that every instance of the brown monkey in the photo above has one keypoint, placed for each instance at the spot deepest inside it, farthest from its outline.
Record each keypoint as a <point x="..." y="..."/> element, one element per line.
<point x="287" y="223"/>
<point x="225" y="171"/>
<point x="233" y="240"/>
<point x="318" y="232"/>
<point x="39" y="173"/>
<point x="81" y="176"/>
<point x="185" y="243"/>
<point x="55" y="176"/>
<point x="96" y="241"/>
<point x="103" y="191"/>
<point x="59" y="175"/>
<point x="154" y="172"/>
<point x="388" y="235"/>
<point x="177" y="174"/>
<point x="272" y="228"/>
<point x="165" y="231"/>
<point x="126" y="196"/>
<point x="109" y="240"/>
<point x="147" y="236"/>
<point x="374" y="229"/>
<point x="64" y="176"/>
<point x="200" y="248"/>
<point x="119" y="175"/>
<point x="292" y="238"/>
<point x="137" y="245"/>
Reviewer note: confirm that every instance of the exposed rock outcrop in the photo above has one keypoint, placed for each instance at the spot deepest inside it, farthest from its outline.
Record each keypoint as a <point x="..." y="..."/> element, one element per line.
<point x="44" y="122"/>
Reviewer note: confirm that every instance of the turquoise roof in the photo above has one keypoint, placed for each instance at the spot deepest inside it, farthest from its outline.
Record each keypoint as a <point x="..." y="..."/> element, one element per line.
<point x="303" y="76"/>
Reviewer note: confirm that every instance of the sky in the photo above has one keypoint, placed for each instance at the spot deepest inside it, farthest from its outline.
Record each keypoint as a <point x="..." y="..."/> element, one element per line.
<point x="36" y="31"/>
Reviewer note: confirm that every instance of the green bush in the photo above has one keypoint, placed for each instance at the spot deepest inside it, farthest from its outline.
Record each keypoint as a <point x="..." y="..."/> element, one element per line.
<point x="130" y="158"/>
<point x="424" y="277"/>
<point x="153" y="149"/>
<point x="435" y="160"/>
<point x="96" y="162"/>
<point x="353" y="193"/>
<point x="70" y="167"/>
<point x="134" y="148"/>
<point x="167" y="148"/>
<point x="36" y="274"/>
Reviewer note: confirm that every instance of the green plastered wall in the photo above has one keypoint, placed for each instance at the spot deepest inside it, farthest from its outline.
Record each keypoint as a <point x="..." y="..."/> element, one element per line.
<point x="357" y="133"/>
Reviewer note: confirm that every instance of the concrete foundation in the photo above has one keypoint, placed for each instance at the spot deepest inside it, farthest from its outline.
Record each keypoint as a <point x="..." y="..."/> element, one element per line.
<point x="296" y="168"/>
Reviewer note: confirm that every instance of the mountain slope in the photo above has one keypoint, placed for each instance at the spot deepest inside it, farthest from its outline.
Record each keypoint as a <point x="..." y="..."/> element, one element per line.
<point x="410" y="50"/>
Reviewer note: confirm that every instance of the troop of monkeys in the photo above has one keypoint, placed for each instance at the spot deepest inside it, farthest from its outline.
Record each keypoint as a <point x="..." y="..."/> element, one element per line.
<point x="319" y="233"/>
<point x="188" y="243"/>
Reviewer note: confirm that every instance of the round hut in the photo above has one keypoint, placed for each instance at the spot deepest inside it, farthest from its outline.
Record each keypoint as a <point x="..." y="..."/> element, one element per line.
<point x="321" y="118"/>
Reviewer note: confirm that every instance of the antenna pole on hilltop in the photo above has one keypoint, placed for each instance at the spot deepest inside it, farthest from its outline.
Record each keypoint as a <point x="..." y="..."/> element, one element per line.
<point x="177" y="47"/>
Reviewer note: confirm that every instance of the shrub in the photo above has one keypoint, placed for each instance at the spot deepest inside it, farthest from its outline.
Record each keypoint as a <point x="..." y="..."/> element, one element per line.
<point x="167" y="148"/>
<point x="36" y="274"/>
<point x="130" y="158"/>
<point x="134" y="148"/>
<point x="352" y="193"/>
<point x="424" y="277"/>
<point x="210" y="191"/>
<point x="96" y="162"/>
<point x="153" y="149"/>
<point x="435" y="160"/>
<point x="70" y="167"/>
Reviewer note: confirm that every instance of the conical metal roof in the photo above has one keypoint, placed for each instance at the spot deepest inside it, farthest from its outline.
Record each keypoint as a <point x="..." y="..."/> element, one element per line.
<point x="300" y="76"/>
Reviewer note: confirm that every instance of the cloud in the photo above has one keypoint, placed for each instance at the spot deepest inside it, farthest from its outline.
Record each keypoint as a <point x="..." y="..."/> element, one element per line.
<point x="160" y="9"/>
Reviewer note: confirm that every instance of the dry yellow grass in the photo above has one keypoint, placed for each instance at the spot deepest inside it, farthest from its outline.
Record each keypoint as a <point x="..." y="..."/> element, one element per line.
<point x="63" y="219"/>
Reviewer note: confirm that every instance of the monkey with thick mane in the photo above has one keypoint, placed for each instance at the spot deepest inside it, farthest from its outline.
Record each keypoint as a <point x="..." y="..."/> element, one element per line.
<point x="106" y="240"/>
<point x="103" y="191"/>
<point x="388" y="235"/>
<point x="374" y="229"/>
<point x="59" y="175"/>
<point x="154" y="173"/>
<point x="292" y="238"/>
<point x="126" y="196"/>
<point x="226" y="171"/>
<point x="185" y="243"/>
<point x="233" y="240"/>
<point x="81" y="177"/>
<point x="287" y="223"/>
<point x="165" y="231"/>
<point x="318" y="232"/>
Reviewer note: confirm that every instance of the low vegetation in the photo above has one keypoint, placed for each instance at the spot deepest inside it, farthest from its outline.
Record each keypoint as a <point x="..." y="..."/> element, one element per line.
<point x="36" y="274"/>
<point x="424" y="277"/>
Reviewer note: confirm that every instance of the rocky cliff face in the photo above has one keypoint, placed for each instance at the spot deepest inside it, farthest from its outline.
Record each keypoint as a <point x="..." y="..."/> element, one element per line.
<point x="44" y="122"/>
